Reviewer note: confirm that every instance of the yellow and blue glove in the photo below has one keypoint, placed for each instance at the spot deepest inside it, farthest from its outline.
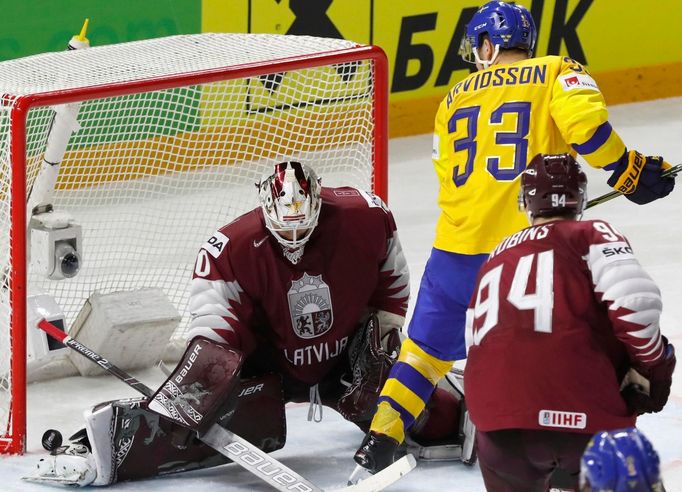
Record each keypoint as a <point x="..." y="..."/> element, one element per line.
<point x="639" y="178"/>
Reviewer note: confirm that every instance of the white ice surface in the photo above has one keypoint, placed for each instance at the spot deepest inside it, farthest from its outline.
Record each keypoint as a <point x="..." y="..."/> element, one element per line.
<point x="323" y="452"/>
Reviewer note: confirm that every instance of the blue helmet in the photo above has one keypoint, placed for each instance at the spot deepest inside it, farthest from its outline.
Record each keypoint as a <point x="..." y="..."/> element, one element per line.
<point x="622" y="460"/>
<point x="507" y="26"/>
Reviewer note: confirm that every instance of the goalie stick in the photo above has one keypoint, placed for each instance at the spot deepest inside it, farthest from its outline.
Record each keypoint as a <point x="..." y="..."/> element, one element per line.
<point x="237" y="449"/>
<point x="670" y="172"/>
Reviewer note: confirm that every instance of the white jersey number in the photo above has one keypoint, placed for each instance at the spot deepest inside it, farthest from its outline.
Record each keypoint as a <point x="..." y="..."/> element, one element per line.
<point x="541" y="302"/>
<point x="203" y="266"/>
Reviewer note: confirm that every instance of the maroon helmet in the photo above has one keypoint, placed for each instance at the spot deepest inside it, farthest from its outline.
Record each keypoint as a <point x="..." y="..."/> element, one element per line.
<point x="553" y="185"/>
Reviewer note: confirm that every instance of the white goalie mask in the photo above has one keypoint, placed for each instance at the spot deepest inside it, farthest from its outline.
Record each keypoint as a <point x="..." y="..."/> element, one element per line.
<point x="290" y="199"/>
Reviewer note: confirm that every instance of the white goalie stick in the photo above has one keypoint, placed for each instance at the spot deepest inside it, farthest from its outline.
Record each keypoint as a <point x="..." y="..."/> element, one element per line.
<point x="670" y="172"/>
<point x="236" y="448"/>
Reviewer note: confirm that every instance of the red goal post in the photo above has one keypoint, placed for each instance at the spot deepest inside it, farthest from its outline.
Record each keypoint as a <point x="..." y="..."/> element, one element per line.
<point x="173" y="132"/>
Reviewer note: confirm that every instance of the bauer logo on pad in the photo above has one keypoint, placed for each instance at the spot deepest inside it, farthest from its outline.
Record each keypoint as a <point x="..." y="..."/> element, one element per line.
<point x="578" y="81"/>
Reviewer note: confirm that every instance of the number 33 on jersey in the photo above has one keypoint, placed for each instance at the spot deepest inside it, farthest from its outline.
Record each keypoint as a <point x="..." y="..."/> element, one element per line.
<point x="488" y="127"/>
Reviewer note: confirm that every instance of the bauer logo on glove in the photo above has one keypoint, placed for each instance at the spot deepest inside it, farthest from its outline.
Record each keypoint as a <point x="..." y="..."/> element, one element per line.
<point x="640" y="177"/>
<point x="629" y="179"/>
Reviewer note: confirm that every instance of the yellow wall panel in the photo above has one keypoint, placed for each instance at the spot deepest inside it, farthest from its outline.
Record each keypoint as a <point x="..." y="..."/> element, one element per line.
<point x="224" y="16"/>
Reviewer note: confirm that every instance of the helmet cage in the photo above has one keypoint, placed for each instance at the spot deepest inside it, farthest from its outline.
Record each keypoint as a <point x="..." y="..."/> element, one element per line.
<point x="290" y="200"/>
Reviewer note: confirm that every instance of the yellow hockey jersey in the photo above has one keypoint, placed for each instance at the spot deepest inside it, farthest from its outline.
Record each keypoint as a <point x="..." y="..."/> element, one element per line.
<point x="491" y="124"/>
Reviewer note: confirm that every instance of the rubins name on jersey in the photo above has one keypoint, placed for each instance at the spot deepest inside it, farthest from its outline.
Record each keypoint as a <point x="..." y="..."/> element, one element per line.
<point x="530" y="233"/>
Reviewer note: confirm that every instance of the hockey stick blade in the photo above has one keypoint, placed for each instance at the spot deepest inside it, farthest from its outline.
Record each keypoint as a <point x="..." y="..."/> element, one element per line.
<point x="256" y="461"/>
<point x="229" y="444"/>
<point x="670" y="172"/>
<point x="384" y="478"/>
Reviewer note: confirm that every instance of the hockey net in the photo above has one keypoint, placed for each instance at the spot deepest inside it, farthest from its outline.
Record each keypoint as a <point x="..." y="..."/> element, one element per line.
<point x="174" y="132"/>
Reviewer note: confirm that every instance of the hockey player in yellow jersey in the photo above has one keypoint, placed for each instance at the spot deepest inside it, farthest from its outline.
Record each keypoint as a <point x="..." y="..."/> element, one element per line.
<point x="487" y="128"/>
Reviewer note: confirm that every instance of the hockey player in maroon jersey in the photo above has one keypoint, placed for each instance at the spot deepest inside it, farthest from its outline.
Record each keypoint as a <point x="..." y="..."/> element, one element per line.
<point x="299" y="300"/>
<point x="563" y="316"/>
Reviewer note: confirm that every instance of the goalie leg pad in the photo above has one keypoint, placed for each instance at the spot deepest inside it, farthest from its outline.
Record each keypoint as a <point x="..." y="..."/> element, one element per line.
<point x="71" y="465"/>
<point x="202" y="387"/>
<point x="444" y="430"/>
<point x="129" y="442"/>
<point x="259" y="417"/>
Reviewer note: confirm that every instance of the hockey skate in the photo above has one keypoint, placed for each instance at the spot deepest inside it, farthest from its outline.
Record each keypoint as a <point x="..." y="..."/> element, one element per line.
<point x="376" y="452"/>
<point x="71" y="465"/>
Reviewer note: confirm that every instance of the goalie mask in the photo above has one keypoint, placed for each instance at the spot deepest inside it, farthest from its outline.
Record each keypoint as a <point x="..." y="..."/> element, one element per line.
<point x="290" y="199"/>
<point x="553" y="185"/>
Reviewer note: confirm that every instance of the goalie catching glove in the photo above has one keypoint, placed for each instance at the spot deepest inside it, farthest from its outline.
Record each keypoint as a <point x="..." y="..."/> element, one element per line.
<point x="372" y="353"/>
<point x="639" y="178"/>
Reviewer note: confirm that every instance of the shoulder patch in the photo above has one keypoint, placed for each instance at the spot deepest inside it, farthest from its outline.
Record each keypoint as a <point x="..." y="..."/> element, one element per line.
<point x="374" y="201"/>
<point x="614" y="251"/>
<point x="575" y="81"/>
<point x="216" y="244"/>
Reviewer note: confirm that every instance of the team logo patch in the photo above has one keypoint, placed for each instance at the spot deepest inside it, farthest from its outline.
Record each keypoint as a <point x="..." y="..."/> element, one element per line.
<point x="310" y="306"/>
<point x="578" y="81"/>
<point x="216" y="244"/>
<point x="565" y="420"/>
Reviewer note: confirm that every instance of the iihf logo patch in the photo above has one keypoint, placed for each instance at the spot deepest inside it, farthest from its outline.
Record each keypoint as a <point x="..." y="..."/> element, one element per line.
<point x="310" y="306"/>
<point x="565" y="420"/>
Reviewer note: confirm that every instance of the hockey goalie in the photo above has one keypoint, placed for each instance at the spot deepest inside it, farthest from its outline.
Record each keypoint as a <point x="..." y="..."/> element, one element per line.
<point x="299" y="300"/>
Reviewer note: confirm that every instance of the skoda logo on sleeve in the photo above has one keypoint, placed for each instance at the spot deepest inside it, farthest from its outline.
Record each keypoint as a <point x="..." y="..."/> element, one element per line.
<point x="310" y="306"/>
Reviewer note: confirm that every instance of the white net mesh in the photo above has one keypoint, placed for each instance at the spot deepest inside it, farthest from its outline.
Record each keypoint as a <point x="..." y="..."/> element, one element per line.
<point x="150" y="175"/>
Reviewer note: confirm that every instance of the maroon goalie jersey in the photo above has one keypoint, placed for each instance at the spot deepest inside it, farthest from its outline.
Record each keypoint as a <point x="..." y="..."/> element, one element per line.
<point x="560" y="312"/>
<point x="244" y="292"/>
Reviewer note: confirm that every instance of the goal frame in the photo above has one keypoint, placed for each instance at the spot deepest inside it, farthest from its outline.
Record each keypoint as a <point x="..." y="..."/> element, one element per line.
<point x="15" y="442"/>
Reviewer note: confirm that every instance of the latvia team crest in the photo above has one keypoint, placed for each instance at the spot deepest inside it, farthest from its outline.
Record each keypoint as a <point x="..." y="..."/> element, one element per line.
<point x="310" y="305"/>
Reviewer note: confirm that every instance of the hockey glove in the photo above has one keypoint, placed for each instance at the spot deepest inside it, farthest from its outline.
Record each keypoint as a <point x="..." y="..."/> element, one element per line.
<point x="659" y="377"/>
<point x="370" y="359"/>
<point x="638" y="177"/>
